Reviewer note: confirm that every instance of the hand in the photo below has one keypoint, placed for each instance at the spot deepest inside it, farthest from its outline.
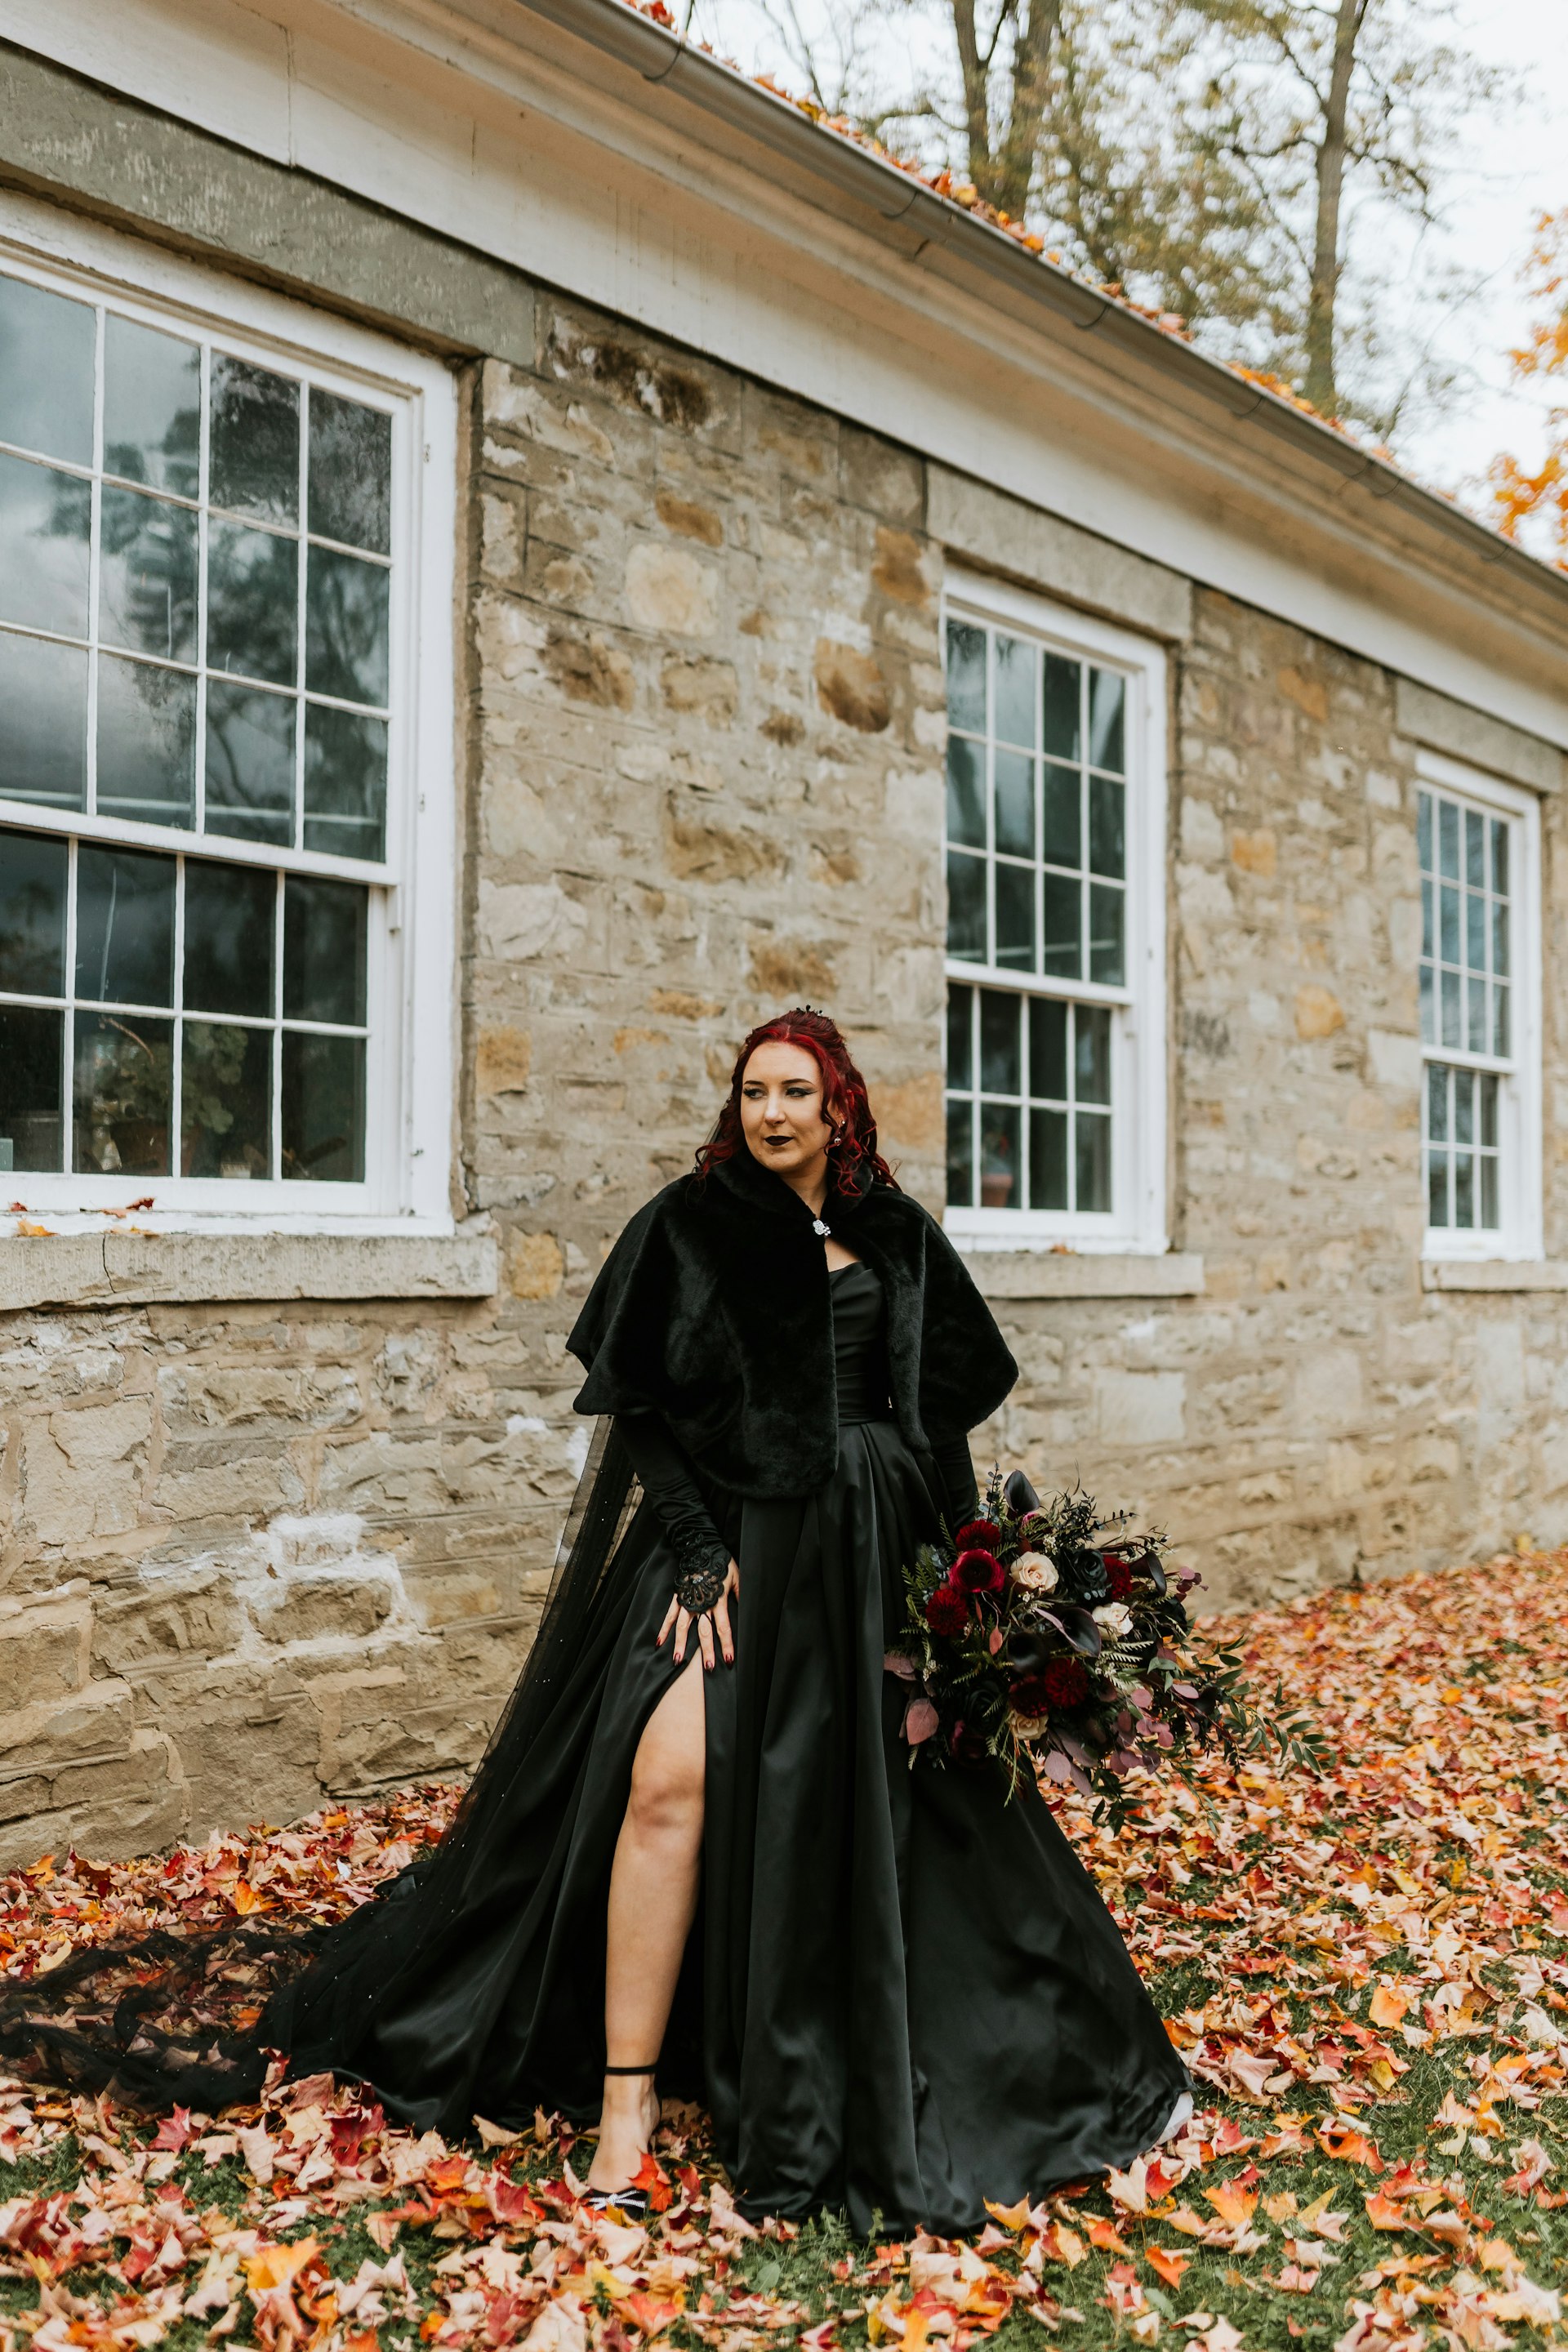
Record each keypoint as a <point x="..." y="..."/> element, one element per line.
<point x="719" y="1616"/>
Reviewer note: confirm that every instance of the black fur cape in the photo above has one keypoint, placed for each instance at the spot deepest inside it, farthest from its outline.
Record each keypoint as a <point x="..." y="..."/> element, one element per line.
<point x="712" y="1309"/>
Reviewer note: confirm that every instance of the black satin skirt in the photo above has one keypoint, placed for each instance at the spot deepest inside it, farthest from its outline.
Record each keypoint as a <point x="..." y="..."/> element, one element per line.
<point x="902" y="1995"/>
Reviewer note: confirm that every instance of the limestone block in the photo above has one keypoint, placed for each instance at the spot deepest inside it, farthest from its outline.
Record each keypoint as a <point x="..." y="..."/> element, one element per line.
<point x="163" y="1614"/>
<point x="1140" y="1408"/>
<point x="44" y="1646"/>
<point x="319" y="1605"/>
<point x="382" y="1474"/>
<point x="89" y="1726"/>
<point x="82" y="1470"/>
<point x="132" y="1803"/>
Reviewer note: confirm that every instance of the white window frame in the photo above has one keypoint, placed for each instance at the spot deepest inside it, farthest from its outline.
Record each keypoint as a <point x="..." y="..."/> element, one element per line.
<point x="1136" y="1224"/>
<point x="410" y="1131"/>
<point x="1520" y="1236"/>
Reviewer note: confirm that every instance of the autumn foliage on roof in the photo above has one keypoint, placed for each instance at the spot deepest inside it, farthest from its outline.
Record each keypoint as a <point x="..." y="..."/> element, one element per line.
<point x="1518" y="495"/>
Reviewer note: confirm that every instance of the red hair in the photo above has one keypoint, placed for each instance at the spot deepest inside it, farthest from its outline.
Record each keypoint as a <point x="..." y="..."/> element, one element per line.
<point x="844" y="1099"/>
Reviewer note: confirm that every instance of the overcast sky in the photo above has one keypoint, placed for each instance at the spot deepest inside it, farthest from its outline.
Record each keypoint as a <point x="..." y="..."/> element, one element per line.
<point x="1515" y="168"/>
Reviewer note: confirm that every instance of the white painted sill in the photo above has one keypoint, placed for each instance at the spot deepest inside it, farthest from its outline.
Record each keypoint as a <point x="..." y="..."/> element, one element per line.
<point x="1494" y="1274"/>
<point x="207" y="1269"/>
<point x="1059" y="1274"/>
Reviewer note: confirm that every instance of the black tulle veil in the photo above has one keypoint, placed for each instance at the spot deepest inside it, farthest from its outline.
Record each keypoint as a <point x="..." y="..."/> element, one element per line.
<point x="152" y="2020"/>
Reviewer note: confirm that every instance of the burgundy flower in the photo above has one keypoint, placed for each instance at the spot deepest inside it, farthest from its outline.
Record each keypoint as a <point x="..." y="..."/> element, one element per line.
<point x="1031" y="1694"/>
<point x="983" y="1534"/>
<point x="947" y="1611"/>
<point x="1065" y="1682"/>
<point x="967" y="1745"/>
<point x="977" y="1571"/>
<point x="1119" y="1575"/>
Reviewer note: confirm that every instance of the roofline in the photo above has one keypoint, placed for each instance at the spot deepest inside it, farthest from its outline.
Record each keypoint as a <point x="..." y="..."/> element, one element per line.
<point x="897" y="199"/>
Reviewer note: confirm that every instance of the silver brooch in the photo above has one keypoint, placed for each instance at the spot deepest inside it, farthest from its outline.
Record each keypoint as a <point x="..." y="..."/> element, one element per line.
<point x="818" y="1227"/>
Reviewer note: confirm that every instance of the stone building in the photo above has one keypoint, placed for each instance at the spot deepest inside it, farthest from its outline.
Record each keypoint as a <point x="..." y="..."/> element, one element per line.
<point x="505" y="527"/>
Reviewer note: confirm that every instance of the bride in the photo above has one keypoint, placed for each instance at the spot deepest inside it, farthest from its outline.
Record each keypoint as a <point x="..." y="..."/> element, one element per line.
<point x="695" y="1859"/>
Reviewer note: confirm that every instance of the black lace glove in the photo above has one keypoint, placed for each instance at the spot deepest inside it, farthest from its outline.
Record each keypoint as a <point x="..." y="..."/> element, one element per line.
<point x="701" y="1559"/>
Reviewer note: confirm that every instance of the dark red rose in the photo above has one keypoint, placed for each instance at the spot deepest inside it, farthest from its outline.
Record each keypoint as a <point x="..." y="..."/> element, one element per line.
<point x="983" y="1535"/>
<point x="977" y="1571"/>
<point x="1031" y="1694"/>
<point x="947" y="1611"/>
<point x="967" y="1745"/>
<point x="1066" y="1682"/>
<point x="1118" y="1575"/>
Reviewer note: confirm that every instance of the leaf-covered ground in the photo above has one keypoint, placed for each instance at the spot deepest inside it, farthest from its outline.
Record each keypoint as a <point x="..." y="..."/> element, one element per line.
<point x="1367" y="1972"/>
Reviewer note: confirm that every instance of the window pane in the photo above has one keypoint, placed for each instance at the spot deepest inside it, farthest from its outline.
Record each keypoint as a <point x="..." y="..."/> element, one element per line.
<point x="1016" y="917"/>
<point x="43" y="722"/>
<point x="1062" y="693"/>
<point x="1437" y="1188"/>
<point x="152" y="407"/>
<point x="1475" y="931"/>
<point x="965" y="905"/>
<point x="1001" y="1064"/>
<point x="46" y="372"/>
<point x="1091" y="1058"/>
<point x="250" y="764"/>
<point x="226" y="1092"/>
<point x="1450" y="1008"/>
<point x="124" y="927"/>
<point x="345" y="626"/>
<point x="1501" y="1043"/>
<point x="1464" y="1191"/>
<point x="1476" y="990"/>
<point x="252" y="603"/>
<point x="1048" y="1049"/>
<point x="1429" y="1010"/>
<point x="32" y="1042"/>
<point x="122" y="1091"/>
<point x="253" y="467"/>
<point x="345" y="783"/>
<point x="147" y="575"/>
<point x="1047" y="1159"/>
<point x="33" y="872"/>
<point x="1018" y="670"/>
<point x="966" y="677"/>
<point x="323" y="1108"/>
<point x="1448" y="840"/>
<point x="1423" y="830"/>
<point x="1015" y="805"/>
<point x="231" y="916"/>
<point x="1107" y="843"/>
<point x="999" y="1132"/>
<point x="1092" y="1134"/>
<point x="1107" y="730"/>
<point x="960" y="1050"/>
<point x="1450" y="926"/>
<point x="1428" y="943"/>
<point x="1107" y="962"/>
<point x="1475" y="849"/>
<point x="1436" y="1102"/>
<point x="966" y="791"/>
<point x="146" y="742"/>
<point x="1062" y="896"/>
<point x="1500" y="937"/>
<point x="323" y="951"/>
<point x="960" y="1152"/>
<point x="1464" y="1106"/>
<point x="1488" y="1112"/>
<point x="1500" y="856"/>
<point x="350" y="472"/>
<point x="46" y="525"/>
<point x="1490" y="1217"/>
<point x="1063" y="832"/>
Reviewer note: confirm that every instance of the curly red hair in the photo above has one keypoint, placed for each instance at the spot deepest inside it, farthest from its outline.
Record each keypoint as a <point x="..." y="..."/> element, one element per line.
<point x="853" y="1150"/>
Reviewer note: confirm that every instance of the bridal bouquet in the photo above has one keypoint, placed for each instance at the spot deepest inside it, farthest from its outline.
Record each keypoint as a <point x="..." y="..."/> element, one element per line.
<point x="1047" y="1636"/>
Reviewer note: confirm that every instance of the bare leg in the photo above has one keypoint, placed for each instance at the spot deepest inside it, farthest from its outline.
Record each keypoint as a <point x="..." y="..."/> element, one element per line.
<point x="653" y="1898"/>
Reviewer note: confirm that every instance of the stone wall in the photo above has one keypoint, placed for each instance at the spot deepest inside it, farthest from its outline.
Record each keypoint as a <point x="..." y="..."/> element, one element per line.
<point x="256" y="1554"/>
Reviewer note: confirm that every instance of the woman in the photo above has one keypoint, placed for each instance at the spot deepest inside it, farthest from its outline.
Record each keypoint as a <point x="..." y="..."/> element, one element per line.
<point x="695" y="1856"/>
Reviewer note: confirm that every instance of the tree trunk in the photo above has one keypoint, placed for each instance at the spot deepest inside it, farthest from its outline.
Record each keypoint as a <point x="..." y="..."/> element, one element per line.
<point x="972" y="67"/>
<point x="1323" y="294"/>
<point x="1003" y="173"/>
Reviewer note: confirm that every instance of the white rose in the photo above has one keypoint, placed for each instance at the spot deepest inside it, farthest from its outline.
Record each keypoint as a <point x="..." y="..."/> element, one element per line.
<point x="1035" y="1571"/>
<point x="1113" y="1617"/>
<point x="1028" y="1728"/>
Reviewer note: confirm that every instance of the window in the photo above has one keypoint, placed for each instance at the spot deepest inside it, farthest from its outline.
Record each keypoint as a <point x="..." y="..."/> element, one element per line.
<point x="1477" y="847"/>
<point x="210" y="635"/>
<point x="1054" y="941"/>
